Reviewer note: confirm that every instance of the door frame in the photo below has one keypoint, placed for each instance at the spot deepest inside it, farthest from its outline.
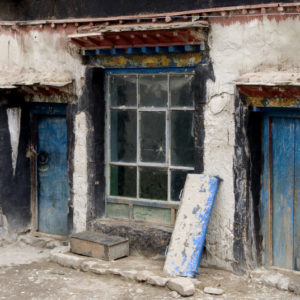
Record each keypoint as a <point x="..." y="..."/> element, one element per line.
<point x="266" y="203"/>
<point x="36" y="110"/>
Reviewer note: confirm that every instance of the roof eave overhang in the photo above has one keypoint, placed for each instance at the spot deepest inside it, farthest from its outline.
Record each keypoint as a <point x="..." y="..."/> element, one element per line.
<point x="139" y="35"/>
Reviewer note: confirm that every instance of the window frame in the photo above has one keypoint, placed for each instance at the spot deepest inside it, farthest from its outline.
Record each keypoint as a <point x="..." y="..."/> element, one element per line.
<point x="169" y="203"/>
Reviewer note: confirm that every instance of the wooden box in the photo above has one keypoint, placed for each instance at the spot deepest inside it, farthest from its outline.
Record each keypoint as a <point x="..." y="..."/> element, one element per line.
<point x="99" y="245"/>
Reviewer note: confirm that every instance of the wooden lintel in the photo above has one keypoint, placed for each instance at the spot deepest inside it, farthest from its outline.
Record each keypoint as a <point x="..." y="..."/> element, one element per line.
<point x="137" y="38"/>
<point x="94" y="41"/>
<point x="122" y="40"/>
<point x="79" y="42"/>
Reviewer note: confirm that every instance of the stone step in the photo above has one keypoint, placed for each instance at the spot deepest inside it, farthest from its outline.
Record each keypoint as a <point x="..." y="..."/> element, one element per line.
<point x="99" y="245"/>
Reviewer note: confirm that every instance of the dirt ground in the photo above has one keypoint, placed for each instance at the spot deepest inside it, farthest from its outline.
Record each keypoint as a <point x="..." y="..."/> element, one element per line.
<point x="27" y="273"/>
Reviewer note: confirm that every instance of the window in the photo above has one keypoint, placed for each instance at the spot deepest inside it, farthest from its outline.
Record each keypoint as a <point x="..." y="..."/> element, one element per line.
<point x="150" y="136"/>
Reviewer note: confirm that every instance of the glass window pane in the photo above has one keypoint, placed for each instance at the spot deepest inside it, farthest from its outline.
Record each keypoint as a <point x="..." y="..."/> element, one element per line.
<point x="182" y="138"/>
<point x="123" y="181"/>
<point x="153" y="136"/>
<point x="181" y="90"/>
<point x="153" y="183"/>
<point x="123" y="135"/>
<point x="123" y="90"/>
<point x="177" y="183"/>
<point x="153" y="90"/>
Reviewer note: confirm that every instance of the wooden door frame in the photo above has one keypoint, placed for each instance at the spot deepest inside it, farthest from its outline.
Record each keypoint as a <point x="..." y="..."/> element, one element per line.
<point x="266" y="203"/>
<point x="36" y="110"/>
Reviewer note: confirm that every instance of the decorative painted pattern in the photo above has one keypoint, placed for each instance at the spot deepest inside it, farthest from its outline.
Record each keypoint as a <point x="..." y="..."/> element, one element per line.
<point x="148" y="61"/>
<point x="273" y="102"/>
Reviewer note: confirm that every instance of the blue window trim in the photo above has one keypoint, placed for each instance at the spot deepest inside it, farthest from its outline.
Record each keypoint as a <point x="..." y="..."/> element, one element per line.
<point x="278" y="111"/>
<point x="48" y="109"/>
<point x="150" y="70"/>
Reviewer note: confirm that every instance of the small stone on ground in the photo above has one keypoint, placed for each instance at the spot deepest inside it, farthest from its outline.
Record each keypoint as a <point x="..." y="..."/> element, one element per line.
<point x="157" y="280"/>
<point x="174" y="294"/>
<point x="213" y="291"/>
<point x="183" y="286"/>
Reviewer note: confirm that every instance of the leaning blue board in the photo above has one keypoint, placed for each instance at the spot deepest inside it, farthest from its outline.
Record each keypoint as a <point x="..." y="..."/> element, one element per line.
<point x="192" y="220"/>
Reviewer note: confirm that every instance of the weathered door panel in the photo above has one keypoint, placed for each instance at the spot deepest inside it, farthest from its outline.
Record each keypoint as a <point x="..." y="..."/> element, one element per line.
<point x="283" y="139"/>
<point x="52" y="172"/>
<point x="297" y="197"/>
<point x="280" y="195"/>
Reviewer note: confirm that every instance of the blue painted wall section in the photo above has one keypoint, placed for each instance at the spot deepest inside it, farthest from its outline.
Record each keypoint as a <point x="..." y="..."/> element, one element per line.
<point x="53" y="187"/>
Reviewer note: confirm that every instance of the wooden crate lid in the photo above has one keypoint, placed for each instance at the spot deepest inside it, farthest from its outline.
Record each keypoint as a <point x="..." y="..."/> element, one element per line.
<point x="100" y="238"/>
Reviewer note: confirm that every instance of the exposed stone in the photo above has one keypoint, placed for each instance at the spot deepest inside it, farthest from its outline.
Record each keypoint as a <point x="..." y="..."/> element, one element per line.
<point x="147" y="239"/>
<point x="143" y="275"/>
<point x="283" y="284"/>
<point x="87" y="265"/>
<point x="34" y="241"/>
<point x="174" y="294"/>
<point x="213" y="291"/>
<point x="157" y="280"/>
<point x="61" y="249"/>
<point x="139" y="291"/>
<point x="274" y="280"/>
<point x="183" y="286"/>
<point x="114" y="271"/>
<point x="67" y="260"/>
<point x="53" y="244"/>
<point x="281" y="280"/>
<point x="294" y="286"/>
<point x="99" y="270"/>
<point x="271" y="279"/>
<point x="130" y="274"/>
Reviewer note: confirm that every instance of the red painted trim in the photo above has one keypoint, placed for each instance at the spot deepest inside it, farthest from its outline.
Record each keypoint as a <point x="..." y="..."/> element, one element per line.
<point x="265" y="91"/>
<point x="106" y="40"/>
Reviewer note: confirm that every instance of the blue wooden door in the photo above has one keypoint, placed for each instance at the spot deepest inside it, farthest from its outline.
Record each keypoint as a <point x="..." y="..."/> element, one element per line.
<point x="281" y="191"/>
<point x="52" y="171"/>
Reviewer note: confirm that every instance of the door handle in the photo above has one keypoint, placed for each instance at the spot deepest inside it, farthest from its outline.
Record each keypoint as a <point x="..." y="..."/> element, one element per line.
<point x="43" y="158"/>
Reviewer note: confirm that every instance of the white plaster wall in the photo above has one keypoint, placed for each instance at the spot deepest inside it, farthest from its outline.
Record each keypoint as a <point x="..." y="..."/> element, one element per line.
<point x="257" y="45"/>
<point x="80" y="176"/>
<point x="45" y="51"/>
<point x="49" y="52"/>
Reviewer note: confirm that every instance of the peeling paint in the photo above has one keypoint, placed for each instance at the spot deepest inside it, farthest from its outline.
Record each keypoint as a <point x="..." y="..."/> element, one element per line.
<point x="14" y="121"/>
<point x="273" y="102"/>
<point x="80" y="176"/>
<point x="188" y="237"/>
